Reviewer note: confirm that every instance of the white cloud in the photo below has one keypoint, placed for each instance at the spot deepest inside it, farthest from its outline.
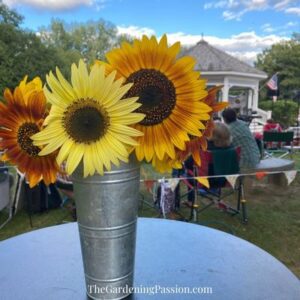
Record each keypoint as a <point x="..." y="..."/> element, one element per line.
<point x="135" y="31"/>
<point x="219" y="4"/>
<point x="234" y="10"/>
<point x="56" y="4"/>
<point x="293" y="10"/>
<point x="248" y="56"/>
<point x="282" y="4"/>
<point x="267" y="28"/>
<point x="266" y="25"/>
<point x="291" y="24"/>
<point x="231" y="15"/>
<point x="245" y="46"/>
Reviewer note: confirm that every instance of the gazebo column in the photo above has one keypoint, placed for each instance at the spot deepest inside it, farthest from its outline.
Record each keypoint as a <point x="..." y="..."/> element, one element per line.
<point x="255" y="98"/>
<point x="225" y="90"/>
<point x="250" y="99"/>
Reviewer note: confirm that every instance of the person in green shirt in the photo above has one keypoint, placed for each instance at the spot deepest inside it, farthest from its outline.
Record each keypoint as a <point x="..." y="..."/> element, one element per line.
<point x="242" y="137"/>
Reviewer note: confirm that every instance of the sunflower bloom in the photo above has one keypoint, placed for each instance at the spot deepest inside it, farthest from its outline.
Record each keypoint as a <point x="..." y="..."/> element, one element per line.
<point x="19" y="120"/>
<point x="169" y="91"/>
<point x="166" y="164"/>
<point x="88" y="121"/>
<point x="33" y="86"/>
<point x="196" y="143"/>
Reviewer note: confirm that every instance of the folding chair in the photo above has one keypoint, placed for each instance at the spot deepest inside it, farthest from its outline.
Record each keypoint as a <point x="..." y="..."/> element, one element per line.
<point x="217" y="163"/>
<point x="5" y="201"/>
<point x="281" y="139"/>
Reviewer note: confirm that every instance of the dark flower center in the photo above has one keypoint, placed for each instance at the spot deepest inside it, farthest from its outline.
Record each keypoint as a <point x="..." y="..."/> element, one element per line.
<point x="156" y="93"/>
<point x="85" y="121"/>
<point x="25" y="131"/>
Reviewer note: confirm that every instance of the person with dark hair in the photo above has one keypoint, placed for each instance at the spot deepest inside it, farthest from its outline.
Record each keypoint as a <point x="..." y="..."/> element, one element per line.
<point x="229" y="115"/>
<point x="242" y="137"/>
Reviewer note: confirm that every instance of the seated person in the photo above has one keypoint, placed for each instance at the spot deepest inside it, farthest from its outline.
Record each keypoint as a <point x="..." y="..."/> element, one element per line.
<point x="272" y="126"/>
<point x="219" y="140"/>
<point x="243" y="138"/>
<point x="220" y="144"/>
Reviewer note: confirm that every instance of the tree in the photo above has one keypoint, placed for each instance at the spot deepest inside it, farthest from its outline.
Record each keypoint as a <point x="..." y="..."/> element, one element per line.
<point x="35" y="54"/>
<point x="283" y="57"/>
<point x="23" y="53"/>
<point x="296" y="36"/>
<point x="8" y="16"/>
<point x="124" y="38"/>
<point x="90" y="40"/>
<point x="284" y="112"/>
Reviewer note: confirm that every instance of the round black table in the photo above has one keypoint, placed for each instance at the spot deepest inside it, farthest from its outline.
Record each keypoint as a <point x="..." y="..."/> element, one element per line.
<point x="46" y="264"/>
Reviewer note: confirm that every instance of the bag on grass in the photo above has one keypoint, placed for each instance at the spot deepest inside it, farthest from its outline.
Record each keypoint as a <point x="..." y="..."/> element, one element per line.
<point x="167" y="198"/>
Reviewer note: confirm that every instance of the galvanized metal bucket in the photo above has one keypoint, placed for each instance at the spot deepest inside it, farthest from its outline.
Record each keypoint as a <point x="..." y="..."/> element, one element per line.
<point x="107" y="209"/>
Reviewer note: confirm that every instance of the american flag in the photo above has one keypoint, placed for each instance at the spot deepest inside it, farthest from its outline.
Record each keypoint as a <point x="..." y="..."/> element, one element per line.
<point x="272" y="84"/>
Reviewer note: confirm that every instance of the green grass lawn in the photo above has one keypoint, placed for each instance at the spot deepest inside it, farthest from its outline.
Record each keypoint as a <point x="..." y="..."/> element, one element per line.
<point x="274" y="218"/>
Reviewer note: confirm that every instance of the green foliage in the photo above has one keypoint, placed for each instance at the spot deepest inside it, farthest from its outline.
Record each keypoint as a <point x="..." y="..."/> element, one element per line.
<point x="124" y="38"/>
<point x="89" y="40"/>
<point x="283" y="57"/>
<point x="22" y="53"/>
<point x="284" y="112"/>
<point x="27" y="53"/>
<point x="8" y="16"/>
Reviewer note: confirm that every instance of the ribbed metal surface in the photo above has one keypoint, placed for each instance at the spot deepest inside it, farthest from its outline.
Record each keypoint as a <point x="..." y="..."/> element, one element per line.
<point x="107" y="212"/>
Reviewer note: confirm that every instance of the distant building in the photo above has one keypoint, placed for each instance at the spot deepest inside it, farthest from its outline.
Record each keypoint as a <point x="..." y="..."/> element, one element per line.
<point x="240" y="81"/>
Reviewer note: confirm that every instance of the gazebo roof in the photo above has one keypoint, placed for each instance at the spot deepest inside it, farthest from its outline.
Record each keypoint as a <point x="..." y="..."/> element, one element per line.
<point x="211" y="59"/>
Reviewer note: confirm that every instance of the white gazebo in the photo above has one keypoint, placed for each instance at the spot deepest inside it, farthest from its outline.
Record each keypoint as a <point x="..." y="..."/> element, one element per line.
<point x="220" y="68"/>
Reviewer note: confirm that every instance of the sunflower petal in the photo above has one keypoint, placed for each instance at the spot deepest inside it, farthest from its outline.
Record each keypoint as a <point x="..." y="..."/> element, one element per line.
<point x="74" y="157"/>
<point x="51" y="147"/>
<point x="64" y="151"/>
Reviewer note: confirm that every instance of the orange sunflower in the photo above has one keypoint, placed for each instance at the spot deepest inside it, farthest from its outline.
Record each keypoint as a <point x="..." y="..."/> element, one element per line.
<point x="21" y="117"/>
<point x="169" y="90"/>
<point x="196" y="143"/>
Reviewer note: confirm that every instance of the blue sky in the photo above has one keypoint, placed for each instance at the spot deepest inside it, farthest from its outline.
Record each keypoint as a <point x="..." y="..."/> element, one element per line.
<point x="242" y="28"/>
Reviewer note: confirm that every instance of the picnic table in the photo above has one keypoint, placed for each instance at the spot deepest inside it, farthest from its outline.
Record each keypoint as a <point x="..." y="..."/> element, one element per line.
<point x="274" y="164"/>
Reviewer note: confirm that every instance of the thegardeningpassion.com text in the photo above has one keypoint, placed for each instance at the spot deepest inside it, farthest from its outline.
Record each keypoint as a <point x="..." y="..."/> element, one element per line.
<point x="148" y="290"/>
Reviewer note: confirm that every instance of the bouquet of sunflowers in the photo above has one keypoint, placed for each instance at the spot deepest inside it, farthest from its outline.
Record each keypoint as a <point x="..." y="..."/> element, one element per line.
<point x="143" y="100"/>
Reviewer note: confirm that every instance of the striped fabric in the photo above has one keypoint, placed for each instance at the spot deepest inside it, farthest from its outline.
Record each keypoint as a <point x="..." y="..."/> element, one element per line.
<point x="242" y="137"/>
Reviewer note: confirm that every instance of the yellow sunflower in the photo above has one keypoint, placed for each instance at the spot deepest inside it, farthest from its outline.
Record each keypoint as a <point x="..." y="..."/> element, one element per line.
<point x="169" y="91"/>
<point x="195" y="144"/>
<point x="87" y="120"/>
<point x="19" y="120"/>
